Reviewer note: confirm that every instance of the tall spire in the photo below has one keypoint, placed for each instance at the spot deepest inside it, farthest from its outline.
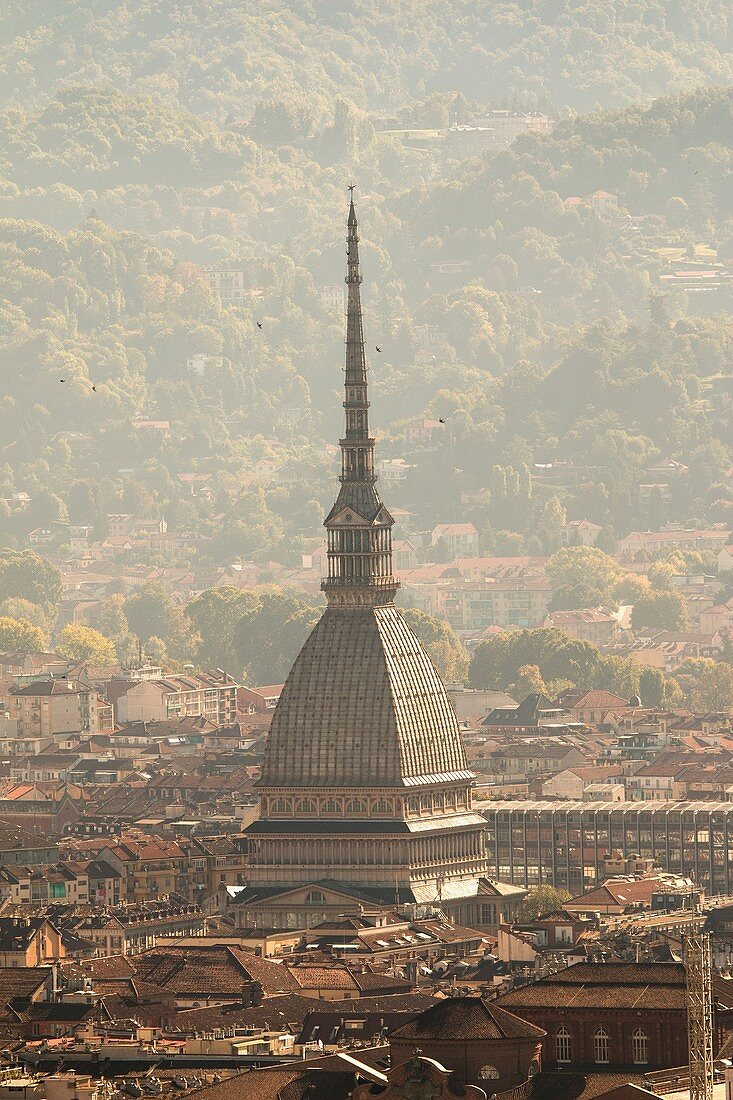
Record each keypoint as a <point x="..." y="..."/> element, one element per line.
<point x="359" y="526"/>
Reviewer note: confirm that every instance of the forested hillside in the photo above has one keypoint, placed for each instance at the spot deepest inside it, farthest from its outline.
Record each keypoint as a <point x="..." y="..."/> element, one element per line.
<point x="220" y="58"/>
<point x="146" y="144"/>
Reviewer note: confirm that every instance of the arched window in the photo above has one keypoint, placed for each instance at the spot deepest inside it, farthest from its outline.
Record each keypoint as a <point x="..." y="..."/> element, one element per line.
<point x="355" y="808"/>
<point x="382" y="807"/>
<point x="315" y="897"/>
<point x="330" y="806"/>
<point x="639" y="1047"/>
<point x="600" y="1046"/>
<point x="306" y="807"/>
<point x="278" y="806"/>
<point x="488" y="1073"/>
<point x="563" y="1045"/>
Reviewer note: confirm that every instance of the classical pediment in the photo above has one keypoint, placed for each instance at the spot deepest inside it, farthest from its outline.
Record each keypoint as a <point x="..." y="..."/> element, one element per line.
<point x="347" y="517"/>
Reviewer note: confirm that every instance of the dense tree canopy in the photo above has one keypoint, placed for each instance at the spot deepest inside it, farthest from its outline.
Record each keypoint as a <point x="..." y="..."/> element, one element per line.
<point x="541" y="900"/>
<point x="81" y="643"/>
<point x="525" y="299"/>
<point x="114" y="203"/>
<point x="444" y="647"/>
<point x="497" y="663"/>
<point x="224" y="58"/>
<point x="25" y="575"/>
<point x="20" y="636"/>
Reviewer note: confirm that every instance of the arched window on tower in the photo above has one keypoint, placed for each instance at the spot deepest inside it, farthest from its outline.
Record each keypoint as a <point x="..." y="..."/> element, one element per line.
<point x="306" y="807"/>
<point x="563" y="1045"/>
<point x="640" y="1047"/>
<point x="279" y="806"/>
<point x="330" y="806"/>
<point x="382" y="806"/>
<point x="356" y="807"/>
<point x="315" y="897"/>
<point x="601" y="1046"/>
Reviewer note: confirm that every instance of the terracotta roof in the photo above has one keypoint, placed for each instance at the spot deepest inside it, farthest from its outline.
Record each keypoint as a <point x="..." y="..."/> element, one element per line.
<point x="569" y="1085"/>
<point x="324" y="977"/>
<point x="652" y="987"/>
<point x="286" y="1011"/>
<point x="282" y="1083"/>
<point x="467" y="1018"/>
<point x="109" y="966"/>
<point x="51" y="687"/>
<point x="455" y="529"/>
<point x="620" y="892"/>
<point x="212" y="969"/>
<point x="594" y="699"/>
<point x="21" y="981"/>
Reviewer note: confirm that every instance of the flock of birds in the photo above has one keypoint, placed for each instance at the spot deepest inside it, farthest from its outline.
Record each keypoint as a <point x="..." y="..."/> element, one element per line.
<point x="259" y="326"/>
<point x="94" y="388"/>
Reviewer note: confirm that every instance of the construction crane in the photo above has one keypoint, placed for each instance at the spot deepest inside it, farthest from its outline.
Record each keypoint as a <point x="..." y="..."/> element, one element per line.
<point x="699" y="983"/>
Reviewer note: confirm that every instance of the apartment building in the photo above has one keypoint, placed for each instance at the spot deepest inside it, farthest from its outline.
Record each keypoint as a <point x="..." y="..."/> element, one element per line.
<point x="150" y="868"/>
<point x="48" y="707"/>
<point x="648" y="543"/>
<point x="57" y="883"/>
<point x="475" y="605"/>
<point x="459" y="539"/>
<point x="598" y="625"/>
<point x="211" y="695"/>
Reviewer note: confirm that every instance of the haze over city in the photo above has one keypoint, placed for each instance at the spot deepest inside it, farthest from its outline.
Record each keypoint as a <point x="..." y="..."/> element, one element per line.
<point x="366" y="550"/>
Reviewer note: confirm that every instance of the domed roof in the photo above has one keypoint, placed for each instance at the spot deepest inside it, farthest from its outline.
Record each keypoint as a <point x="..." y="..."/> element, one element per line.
<point x="362" y="706"/>
<point x="467" y="1018"/>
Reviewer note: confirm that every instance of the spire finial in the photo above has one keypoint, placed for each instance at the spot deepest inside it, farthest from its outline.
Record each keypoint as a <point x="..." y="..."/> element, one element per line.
<point x="359" y="526"/>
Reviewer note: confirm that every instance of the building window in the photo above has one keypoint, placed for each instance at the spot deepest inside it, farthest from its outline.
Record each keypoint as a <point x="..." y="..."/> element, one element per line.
<point x="563" y="1045"/>
<point x="355" y="808"/>
<point x="639" y="1047"/>
<point x="600" y="1046"/>
<point x="315" y="897"/>
<point x="306" y="807"/>
<point x="488" y="1073"/>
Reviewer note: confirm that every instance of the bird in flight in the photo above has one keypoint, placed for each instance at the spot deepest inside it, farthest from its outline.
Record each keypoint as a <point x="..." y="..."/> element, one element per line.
<point x="440" y="420"/>
<point x="94" y="389"/>
<point x="378" y="349"/>
<point x="259" y="324"/>
<point x="62" y="379"/>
